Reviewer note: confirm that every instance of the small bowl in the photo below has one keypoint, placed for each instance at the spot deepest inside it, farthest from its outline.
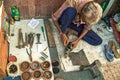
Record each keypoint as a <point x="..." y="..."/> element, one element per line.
<point x="35" y="65"/>
<point x="37" y="74"/>
<point x="47" y="74"/>
<point x="55" y="70"/>
<point x="24" y="66"/>
<point x="12" y="69"/>
<point x="26" y="75"/>
<point x="55" y="63"/>
<point x="45" y="65"/>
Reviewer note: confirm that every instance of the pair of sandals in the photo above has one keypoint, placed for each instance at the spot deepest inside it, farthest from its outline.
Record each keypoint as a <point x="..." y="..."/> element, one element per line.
<point x="111" y="51"/>
<point x="108" y="53"/>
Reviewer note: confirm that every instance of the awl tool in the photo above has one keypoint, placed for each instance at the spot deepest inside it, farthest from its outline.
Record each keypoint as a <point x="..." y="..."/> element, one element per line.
<point x="43" y="32"/>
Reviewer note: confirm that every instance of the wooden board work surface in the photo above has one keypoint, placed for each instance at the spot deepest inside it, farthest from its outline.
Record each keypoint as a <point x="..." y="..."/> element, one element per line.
<point x="21" y="54"/>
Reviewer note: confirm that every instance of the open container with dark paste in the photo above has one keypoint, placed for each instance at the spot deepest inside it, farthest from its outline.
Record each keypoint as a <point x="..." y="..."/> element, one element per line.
<point x="12" y="69"/>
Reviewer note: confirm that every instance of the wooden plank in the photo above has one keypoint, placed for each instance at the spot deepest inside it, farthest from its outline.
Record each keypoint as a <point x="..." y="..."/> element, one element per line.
<point x="3" y="54"/>
<point x="49" y="33"/>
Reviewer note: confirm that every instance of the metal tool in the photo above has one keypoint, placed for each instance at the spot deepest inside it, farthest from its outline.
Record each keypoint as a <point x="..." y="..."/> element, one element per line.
<point x="38" y="38"/>
<point x="43" y="32"/>
<point x="20" y="39"/>
<point x="29" y="53"/>
<point x="31" y="39"/>
<point x="45" y="49"/>
<point x="42" y="58"/>
<point x="38" y="41"/>
<point x="44" y="55"/>
<point x="26" y="39"/>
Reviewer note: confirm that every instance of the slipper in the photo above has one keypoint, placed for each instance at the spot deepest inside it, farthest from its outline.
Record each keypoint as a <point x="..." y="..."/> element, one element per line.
<point x="108" y="53"/>
<point x="113" y="47"/>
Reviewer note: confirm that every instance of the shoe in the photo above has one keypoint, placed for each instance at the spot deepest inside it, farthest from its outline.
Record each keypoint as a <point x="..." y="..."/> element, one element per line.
<point x="113" y="47"/>
<point x="59" y="78"/>
<point x="108" y="53"/>
<point x="107" y="21"/>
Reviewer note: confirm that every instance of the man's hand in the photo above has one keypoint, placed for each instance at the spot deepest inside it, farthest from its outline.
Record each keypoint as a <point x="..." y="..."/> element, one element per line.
<point x="64" y="38"/>
<point x="74" y="43"/>
<point x="78" y="22"/>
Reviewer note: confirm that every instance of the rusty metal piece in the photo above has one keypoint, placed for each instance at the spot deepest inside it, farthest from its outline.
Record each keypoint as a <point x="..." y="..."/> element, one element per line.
<point x="31" y="39"/>
<point x="20" y="39"/>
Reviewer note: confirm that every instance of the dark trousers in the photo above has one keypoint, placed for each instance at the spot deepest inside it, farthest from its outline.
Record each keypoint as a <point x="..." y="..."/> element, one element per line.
<point x="65" y="21"/>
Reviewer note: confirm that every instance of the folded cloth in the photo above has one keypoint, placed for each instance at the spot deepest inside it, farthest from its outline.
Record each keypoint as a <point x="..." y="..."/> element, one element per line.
<point x="108" y="53"/>
<point x="12" y="78"/>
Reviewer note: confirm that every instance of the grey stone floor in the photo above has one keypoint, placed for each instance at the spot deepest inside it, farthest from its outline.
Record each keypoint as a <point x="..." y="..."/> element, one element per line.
<point x="74" y="75"/>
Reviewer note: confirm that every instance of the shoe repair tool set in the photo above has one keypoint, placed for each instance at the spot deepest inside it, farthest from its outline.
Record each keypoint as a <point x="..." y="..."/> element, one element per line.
<point x="32" y="68"/>
<point x="29" y="39"/>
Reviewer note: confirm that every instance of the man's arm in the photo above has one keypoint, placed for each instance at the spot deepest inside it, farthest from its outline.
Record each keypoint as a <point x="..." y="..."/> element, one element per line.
<point x="55" y="17"/>
<point x="84" y="32"/>
<point x="62" y="35"/>
<point x="56" y="24"/>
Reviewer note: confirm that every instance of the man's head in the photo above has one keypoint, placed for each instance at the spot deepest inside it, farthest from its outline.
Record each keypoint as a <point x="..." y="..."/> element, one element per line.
<point x="91" y="13"/>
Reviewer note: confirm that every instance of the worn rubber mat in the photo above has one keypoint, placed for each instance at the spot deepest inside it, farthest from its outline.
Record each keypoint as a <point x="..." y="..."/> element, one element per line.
<point x="78" y="58"/>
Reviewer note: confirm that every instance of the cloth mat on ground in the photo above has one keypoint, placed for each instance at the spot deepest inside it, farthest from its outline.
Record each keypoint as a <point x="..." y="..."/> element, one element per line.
<point x="78" y="58"/>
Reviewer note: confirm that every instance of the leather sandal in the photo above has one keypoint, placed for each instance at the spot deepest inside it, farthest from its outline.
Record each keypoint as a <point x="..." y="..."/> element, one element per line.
<point x="113" y="47"/>
<point x="108" y="53"/>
